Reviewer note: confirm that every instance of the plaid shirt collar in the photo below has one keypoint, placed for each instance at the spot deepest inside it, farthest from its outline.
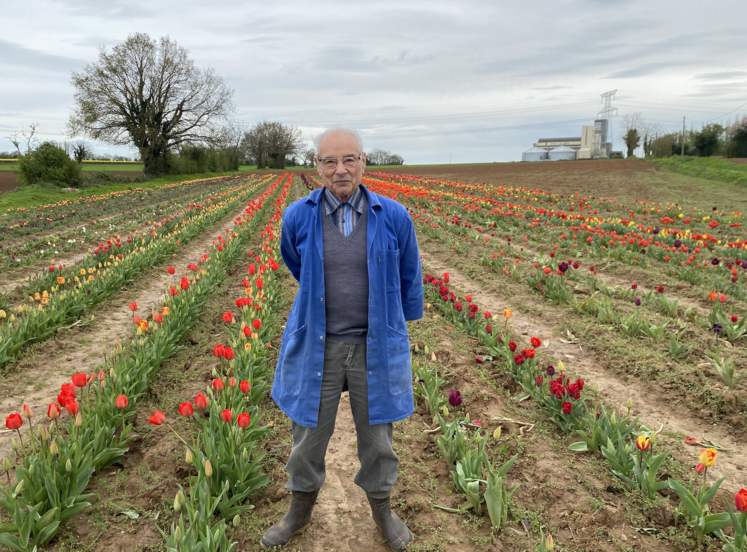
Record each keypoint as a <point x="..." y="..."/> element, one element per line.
<point x="331" y="203"/>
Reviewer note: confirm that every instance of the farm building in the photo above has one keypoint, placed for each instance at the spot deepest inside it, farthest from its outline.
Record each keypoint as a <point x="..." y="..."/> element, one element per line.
<point x="591" y="144"/>
<point x="562" y="153"/>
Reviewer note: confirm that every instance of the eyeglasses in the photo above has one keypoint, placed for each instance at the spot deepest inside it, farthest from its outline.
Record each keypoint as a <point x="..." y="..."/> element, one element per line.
<point x="348" y="161"/>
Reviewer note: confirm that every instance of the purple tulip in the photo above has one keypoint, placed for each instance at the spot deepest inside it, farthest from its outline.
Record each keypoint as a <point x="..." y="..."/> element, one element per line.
<point x="637" y="301"/>
<point x="563" y="267"/>
<point x="715" y="261"/>
<point x="744" y="265"/>
<point x="455" y="398"/>
<point x="717" y="328"/>
<point x="550" y="370"/>
<point x="655" y="231"/>
<point x="677" y="243"/>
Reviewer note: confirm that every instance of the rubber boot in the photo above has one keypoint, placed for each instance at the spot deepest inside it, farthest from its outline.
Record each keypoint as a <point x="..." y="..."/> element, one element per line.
<point x="396" y="533"/>
<point x="298" y="517"/>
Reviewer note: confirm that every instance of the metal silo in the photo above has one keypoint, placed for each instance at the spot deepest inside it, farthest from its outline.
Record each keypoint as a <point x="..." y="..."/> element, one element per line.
<point x="534" y="154"/>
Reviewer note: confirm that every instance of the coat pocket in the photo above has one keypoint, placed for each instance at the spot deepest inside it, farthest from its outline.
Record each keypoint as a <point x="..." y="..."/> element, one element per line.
<point x="291" y="370"/>
<point x="398" y="361"/>
<point x="391" y="269"/>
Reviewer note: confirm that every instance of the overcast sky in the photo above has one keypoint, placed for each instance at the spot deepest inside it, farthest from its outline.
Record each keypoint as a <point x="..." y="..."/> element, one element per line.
<point x="435" y="81"/>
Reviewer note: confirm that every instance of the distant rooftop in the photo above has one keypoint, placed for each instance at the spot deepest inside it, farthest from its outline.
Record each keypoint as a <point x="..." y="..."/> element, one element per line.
<point x="559" y="139"/>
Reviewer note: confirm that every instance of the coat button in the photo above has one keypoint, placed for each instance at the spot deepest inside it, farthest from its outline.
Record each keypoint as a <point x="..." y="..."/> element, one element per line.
<point x="370" y="372"/>
<point x="319" y="374"/>
<point x="370" y="338"/>
<point x="322" y="299"/>
<point x="321" y="337"/>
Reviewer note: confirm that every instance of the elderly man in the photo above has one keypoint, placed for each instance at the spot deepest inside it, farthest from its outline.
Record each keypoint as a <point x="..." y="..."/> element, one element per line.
<point x="355" y="256"/>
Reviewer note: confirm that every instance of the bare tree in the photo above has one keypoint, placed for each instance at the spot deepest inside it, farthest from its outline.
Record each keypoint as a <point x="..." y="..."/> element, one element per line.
<point x="633" y="124"/>
<point x="28" y="135"/>
<point x="149" y="94"/>
<point x="271" y="140"/>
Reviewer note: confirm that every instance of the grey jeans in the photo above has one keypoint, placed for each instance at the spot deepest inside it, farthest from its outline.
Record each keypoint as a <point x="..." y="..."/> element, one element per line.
<point x="378" y="472"/>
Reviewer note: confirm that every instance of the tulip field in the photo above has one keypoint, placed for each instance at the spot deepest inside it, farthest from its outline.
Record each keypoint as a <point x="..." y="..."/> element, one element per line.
<point x="580" y="373"/>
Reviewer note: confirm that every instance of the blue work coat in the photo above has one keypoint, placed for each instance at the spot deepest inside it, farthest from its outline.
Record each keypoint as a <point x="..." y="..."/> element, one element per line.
<point x="395" y="293"/>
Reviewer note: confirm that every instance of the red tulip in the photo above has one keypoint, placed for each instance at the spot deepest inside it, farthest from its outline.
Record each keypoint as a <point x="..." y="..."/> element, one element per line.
<point x="171" y="270"/>
<point x="186" y="410"/>
<point x="536" y="342"/>
<point x="227" y="415"/>
<point x="243" y="420"/>
<point x="121" y="401"/>
<point x="201" y="401"/>
<point x="247" y="331"/>
<point x="740" y="499"/>
<point x="699" y="468"/>
<point x="567" y="408"/>
<point x="228" y="353"/>
<point x="512" y="346"/>
<point x="53" y="411"/>
<point x="72" y="407"/>
<point x="157" y="418"/>
<point x="14" y="421"/>
<point x="133" y="307"/>
<point x="173" y="291"/>
<point x="468" y="298"/>
<point x="252" y="269"/>
<point x="185" y="284"/>
<point x="539" y="380"/>
<point x="27" y="411"/>
<point x="257" y="324"/>
<point x="219" y="351"/>
<point x="79" y="379"/>
<point x="487" y="315"/>
<point x="734" y="319"/>
<point x="446" y="277"/>
<point x="722" y="298"/>
<point x="660" y="289"/>
<point x="519" y="359"/>
<point x="227" y="317"/>
<point x="259" y="283"/>
<point x="218" y="384"/>
<point x="244" y="386"/>
<point x="232" y="383"/>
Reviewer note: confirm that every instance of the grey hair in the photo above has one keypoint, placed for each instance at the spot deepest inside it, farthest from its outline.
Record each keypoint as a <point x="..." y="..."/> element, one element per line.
<point x="351" y="131"/>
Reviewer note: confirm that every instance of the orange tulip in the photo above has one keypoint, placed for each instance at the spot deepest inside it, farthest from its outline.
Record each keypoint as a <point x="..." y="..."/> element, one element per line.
<point x="707" y="457"/>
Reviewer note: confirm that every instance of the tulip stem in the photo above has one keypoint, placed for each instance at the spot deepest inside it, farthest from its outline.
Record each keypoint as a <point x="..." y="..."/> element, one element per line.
<point x="33" y="439"/>
<point x="22" y="447"/>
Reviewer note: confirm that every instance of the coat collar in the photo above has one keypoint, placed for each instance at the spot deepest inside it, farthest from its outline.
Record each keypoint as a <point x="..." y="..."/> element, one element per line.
<point x="316" y="198"/>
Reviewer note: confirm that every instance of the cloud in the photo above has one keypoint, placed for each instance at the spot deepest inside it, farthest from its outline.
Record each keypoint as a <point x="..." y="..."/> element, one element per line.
<point x="723" y="75"/>
<point x="15" y="55"/>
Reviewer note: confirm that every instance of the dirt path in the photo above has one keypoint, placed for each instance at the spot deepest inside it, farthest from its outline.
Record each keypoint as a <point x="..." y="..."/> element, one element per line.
<point x="615" y="390"/>
<point x="37" y="380"/>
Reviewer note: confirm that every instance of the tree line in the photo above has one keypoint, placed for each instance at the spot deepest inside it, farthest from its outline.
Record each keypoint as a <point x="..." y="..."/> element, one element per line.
<point x="728" y="140"/>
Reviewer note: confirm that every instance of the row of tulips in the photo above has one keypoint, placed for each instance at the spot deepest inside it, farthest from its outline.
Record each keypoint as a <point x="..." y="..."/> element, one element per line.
<point x="72" y="296"/>
<point x="627" y="445"/>
<point x="35" y="220"/>
<point x="604" y="239"/>
<point x="225" y="422"/>
<point x="56" y="463"/>
<point x="141" y="212"/>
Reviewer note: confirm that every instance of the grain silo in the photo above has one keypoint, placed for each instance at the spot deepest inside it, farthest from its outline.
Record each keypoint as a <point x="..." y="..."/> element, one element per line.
<point x="562" y="153"/>
<point x="534" y="154"/>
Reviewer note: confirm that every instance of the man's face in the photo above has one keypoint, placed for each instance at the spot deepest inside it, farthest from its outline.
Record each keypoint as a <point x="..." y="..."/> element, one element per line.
<point x="342" y="181"/>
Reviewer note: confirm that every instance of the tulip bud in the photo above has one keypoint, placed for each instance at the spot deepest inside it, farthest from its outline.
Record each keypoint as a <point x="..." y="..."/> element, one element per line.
<point x="497" y="433"/>
<point x="236" y="520"/>
<point x="53" y="450"/>
<point x="445" y="411"/>
<point x="32" y="470"/>
<point x="178" y="534"/>
<point x="177" y="504"/>
<point x="45" y="434"/>
<point x="215" y="373"/>
<point x="208" y="468"/>
<point x="188" y="457"/>
<point x="549" y="543"/>
<point x="426" y="350"/>
<point x="68" y="466"/>
<point x="630" y="403"/>
<point x="433" y="357"/>
<point x="6" y="464"/>
<point x="561" y="367"/>
<point x="216" y="535"/>
<point x="181" y="498"/>
<point x="78" y="420"/>
<point x="245" y="455"/>
<point x="14" y="445"/>
<point x="19" y="487"/>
